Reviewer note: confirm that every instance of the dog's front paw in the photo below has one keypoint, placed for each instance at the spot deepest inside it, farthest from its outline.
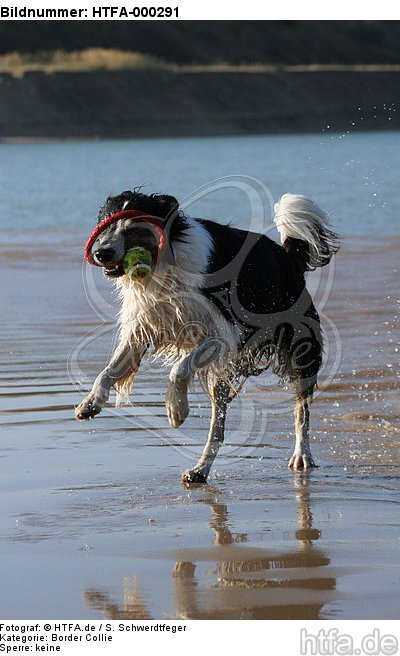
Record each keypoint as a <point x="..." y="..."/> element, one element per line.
<point x="87" y="409"/>
<point x="194" y="477"/>
<point x="177" y="406"/>
<point x="301" y="461"/>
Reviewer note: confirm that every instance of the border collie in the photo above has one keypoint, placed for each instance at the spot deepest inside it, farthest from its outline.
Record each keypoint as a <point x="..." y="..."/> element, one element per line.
<point x="220" y="303"/>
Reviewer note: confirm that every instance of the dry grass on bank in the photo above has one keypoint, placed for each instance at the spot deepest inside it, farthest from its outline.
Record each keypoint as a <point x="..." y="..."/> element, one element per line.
<point x="92" y="59"/>
<point x="104" y="59"/>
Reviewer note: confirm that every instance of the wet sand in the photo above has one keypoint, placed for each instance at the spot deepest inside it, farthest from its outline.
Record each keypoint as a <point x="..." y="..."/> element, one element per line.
<point x="95" y="521"/>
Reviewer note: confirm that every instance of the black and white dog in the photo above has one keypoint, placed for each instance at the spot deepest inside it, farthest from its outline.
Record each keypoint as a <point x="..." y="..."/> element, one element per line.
<point x="221" y="303"/>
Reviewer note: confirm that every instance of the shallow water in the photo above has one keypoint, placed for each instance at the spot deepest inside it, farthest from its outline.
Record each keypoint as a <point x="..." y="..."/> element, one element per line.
<point x="95" y="520"/>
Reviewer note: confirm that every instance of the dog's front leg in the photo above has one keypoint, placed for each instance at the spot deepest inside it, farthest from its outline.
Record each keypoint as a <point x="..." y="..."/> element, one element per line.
<point x="126" y="360"/>
<point x="182" y="374"/>
<point x="219" y="401"/>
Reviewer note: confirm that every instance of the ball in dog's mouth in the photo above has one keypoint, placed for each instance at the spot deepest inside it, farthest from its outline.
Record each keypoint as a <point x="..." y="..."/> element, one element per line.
<point x="138" y="264"/>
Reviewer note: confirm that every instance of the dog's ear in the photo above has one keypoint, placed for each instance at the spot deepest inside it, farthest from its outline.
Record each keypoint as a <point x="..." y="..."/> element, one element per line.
<point x="167" y="205"/>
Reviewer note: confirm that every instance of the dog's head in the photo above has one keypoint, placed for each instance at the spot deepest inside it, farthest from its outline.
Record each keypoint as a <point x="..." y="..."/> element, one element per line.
<point x="111" y="245"/>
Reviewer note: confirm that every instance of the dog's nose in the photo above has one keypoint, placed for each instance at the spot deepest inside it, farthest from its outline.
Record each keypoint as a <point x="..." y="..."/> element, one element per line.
<point x="105" y="254"/>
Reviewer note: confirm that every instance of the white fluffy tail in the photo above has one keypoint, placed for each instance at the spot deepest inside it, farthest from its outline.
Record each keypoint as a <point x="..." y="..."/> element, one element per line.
<point x="304" y="231"/>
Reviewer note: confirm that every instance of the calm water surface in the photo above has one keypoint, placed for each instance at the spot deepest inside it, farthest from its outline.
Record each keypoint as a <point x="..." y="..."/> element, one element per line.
<point x="60" y="185"/>
<point x="94" y="519"/>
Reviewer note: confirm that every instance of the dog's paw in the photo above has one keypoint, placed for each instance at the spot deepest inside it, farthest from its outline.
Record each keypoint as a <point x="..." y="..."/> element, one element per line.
<point x="193" y="477"/>
<point x="301" y="461"/>
<point x="177" y="406"/>
<point x="87" y="409"/>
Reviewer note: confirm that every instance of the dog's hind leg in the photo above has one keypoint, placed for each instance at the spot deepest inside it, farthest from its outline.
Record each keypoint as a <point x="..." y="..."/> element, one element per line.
<point x="126" y="360"/>
<point x="219" y="401"/>
<point x="302" y="458"/>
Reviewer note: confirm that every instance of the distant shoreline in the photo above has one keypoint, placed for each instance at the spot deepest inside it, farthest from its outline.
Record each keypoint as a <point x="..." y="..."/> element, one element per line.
<point x="54" y="139"/>
<point x="205" y="101"/>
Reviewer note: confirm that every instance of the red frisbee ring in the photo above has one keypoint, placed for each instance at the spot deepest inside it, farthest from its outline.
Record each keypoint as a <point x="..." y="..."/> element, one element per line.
<point x="121" y="216"/>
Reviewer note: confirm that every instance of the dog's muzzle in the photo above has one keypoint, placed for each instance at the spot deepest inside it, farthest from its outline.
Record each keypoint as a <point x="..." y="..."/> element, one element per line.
<point x="103" y="256"/>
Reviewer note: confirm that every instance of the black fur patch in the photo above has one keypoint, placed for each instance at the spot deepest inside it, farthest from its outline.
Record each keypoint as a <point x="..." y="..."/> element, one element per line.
<point x="260" y="288"/>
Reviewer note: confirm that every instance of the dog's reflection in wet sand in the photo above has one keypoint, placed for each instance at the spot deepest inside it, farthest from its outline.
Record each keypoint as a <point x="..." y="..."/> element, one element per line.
<point x="133" y="609"/>
<point x="249" y="583"/>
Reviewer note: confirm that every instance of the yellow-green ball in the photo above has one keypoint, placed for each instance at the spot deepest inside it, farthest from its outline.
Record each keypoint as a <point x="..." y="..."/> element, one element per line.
<point x="138" y="263"/>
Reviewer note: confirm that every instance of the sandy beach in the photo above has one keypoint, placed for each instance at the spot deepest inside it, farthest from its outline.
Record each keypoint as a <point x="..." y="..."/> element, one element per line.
<point x="95" y="520"/>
